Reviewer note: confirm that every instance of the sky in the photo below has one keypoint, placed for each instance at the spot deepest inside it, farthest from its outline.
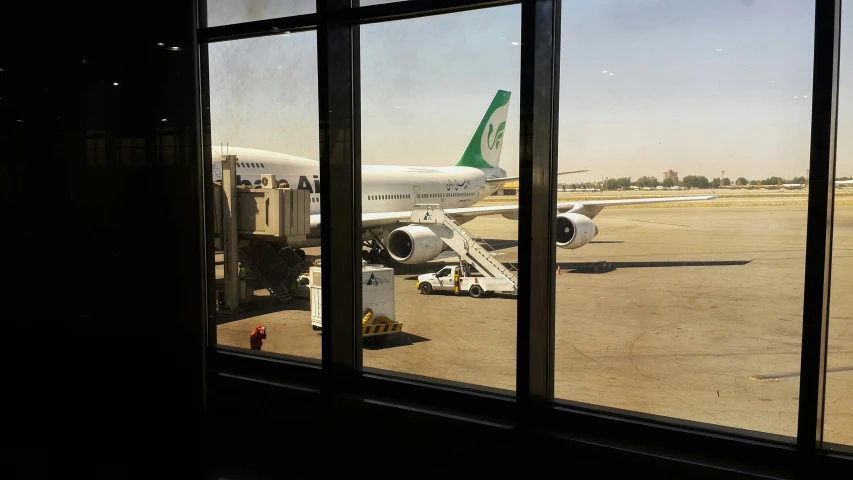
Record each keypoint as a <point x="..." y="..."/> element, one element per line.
<point x="645" y="86"/>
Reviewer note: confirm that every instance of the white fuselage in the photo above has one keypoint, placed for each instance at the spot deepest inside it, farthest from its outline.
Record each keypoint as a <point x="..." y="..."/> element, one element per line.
<point x="384" y="188"/>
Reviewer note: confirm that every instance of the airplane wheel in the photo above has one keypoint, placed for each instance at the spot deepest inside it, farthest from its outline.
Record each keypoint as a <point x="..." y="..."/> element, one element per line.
<point x="426" y="288"/>
<point x="475" y="291"/>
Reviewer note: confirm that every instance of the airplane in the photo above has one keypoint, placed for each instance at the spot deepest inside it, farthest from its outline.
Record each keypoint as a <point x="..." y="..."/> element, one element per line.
<point x="838" y="183"/>
<point x="389" y="193"/>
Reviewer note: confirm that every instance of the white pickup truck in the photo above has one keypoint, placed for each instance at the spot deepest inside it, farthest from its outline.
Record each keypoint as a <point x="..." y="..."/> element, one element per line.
<point x="477" y="287"/>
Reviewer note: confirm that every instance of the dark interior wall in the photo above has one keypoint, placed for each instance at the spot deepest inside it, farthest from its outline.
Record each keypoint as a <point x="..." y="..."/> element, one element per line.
<point x="100" y="202"/>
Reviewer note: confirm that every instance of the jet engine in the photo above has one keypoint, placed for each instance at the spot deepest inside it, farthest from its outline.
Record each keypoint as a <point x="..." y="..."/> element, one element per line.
<point x="574" y="230"/>
<point x="414" y="244"/>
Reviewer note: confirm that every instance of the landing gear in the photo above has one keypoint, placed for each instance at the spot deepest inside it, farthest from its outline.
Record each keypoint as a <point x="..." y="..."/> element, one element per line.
<point x="377" y="254"/>
<point x="300" y="253"/>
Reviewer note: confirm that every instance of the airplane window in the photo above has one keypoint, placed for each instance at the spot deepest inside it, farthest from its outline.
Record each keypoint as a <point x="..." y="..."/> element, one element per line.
<point x="226" y="12"/>
<point x="293" y="120"/>
<point x="676" y="319"/>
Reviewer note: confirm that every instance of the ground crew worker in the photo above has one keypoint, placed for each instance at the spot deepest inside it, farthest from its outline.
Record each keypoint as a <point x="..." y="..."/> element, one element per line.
<point x="242" y="271"/>
<point x="456" y="281"/>
<point x="257" y="337"/>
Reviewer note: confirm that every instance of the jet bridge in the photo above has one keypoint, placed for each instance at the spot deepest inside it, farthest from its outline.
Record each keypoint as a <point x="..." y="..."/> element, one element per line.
<point x="256" y="227"/>
<point x="473" y="250"/>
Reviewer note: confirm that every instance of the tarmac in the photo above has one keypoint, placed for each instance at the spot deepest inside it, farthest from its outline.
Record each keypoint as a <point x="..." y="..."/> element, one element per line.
<point x="689" y="311"/>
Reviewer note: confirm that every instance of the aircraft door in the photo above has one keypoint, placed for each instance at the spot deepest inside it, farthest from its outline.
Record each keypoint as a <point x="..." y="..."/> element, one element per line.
<point x="416" y="196"/>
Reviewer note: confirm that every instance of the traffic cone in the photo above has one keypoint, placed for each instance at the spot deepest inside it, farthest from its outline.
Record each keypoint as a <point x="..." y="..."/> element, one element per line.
<point x="558" y="269"/>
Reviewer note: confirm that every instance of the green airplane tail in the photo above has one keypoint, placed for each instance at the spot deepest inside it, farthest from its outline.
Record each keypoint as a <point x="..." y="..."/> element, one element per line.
<point x="484" y="149"/>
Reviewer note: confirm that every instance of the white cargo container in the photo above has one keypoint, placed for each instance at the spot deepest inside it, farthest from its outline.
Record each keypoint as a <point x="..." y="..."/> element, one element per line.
<point x="377" y="287"/>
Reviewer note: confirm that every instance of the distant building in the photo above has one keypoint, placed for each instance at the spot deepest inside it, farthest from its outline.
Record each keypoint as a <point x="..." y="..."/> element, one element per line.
<point x="671" y="174"/>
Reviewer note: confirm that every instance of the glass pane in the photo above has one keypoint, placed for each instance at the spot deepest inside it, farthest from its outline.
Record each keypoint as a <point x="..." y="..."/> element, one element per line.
<point x="224" y="12"/>
<point x="439" y="104"/>
<point x="689" y="308"/>
<point x="263" y="109"/>
<point x="838" y="413"/>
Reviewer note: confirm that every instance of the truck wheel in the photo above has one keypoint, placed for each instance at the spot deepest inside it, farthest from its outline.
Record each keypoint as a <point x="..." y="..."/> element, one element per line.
<point x="426" y="288"/>
<point x="475" y="291"/>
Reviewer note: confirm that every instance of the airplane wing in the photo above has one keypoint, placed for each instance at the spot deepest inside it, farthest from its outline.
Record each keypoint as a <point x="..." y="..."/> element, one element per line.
<point x="844" y="182"/>
<point x="588" y="208"/>
<point x="512" y="179"/>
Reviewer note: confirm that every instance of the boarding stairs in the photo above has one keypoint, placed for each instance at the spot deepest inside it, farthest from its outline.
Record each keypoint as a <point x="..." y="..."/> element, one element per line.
<point x="274" y="265"/>
<point x="473" y="250"/>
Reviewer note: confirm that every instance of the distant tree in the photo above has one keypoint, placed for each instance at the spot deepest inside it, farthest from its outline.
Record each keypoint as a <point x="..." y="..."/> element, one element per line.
<point x="716" y="182"/>
<point x="650" y="182"/>
<point x="726" y="182"/>
<point x="696" y="181"/>
<point x="844" y="178"/>
<point x="667" y="182"/>
<point x="774" y="180"/>
<point x="753" y="182"/>
<point x="616" y="183"/>
<point x="743" y="181"/>
<point x="797" y="180"/>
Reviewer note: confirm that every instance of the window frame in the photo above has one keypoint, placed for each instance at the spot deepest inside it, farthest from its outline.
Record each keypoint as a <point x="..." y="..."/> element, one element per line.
<point x="337" y="23"/>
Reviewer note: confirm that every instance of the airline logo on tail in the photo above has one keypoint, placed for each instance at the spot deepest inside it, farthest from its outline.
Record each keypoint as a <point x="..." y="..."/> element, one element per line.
<point x="484" y="149"/>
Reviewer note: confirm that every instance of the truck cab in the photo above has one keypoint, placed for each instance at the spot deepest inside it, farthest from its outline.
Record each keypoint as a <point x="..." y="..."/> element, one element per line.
<point x="441" y="280"/>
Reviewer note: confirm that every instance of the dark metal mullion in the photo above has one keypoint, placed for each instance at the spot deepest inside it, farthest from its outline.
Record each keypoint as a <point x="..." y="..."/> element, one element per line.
<point x="206" y="159"/>
<point x="819" y="229"/>
<point x="340" y="171"/>
<point x="259" y="28"/>
<point x="201" y="122"/>
<point x="540" y="29"/>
